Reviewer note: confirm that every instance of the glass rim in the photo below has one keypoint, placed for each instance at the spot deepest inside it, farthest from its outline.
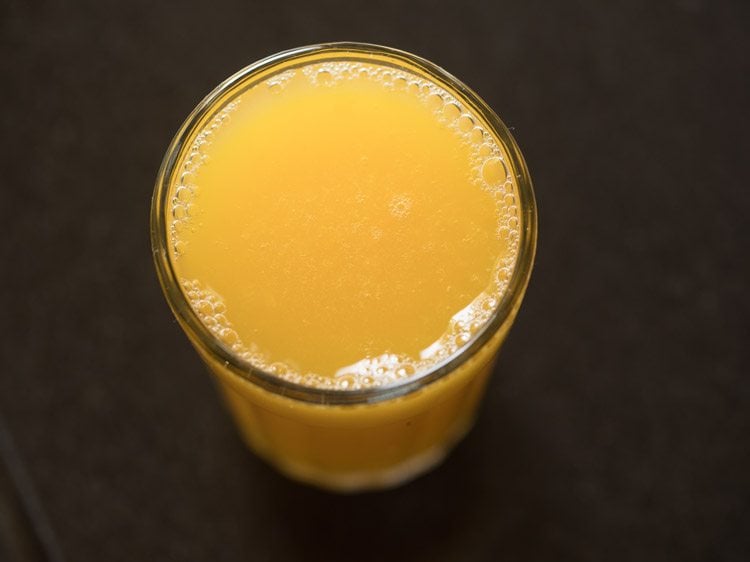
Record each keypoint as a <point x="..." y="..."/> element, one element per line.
<point x="209" y="344"/>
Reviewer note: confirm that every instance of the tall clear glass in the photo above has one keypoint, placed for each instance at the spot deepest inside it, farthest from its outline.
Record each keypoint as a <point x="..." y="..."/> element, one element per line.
<point x="367" y="438"/>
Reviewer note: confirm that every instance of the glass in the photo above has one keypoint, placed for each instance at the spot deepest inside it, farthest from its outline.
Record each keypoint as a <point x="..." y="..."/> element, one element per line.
<point x="367" y="438"/>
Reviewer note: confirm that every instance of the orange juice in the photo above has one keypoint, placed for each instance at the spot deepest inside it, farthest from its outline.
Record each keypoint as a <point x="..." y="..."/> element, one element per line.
<point x="346" y="234"/>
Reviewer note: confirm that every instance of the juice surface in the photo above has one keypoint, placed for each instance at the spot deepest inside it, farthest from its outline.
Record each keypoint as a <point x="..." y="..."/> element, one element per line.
<point x="344" y="225"/>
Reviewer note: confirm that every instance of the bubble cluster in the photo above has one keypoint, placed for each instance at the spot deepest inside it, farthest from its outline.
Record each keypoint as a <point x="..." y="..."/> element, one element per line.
<point x="211" y="310"/>
<point x="490" y="171"/>
<point x="375" y="371"/>
<point x="400" y="206"/>
<point x="463" y="326"/>
<point x="185" y="188"/>
<point x="278" y="81"/>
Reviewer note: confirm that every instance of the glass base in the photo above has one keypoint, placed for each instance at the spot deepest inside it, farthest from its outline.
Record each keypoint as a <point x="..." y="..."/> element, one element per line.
<point x="372" y="480"/>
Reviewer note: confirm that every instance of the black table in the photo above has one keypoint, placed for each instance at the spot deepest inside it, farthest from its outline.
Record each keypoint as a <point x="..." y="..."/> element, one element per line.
<point x="617" y="426"/>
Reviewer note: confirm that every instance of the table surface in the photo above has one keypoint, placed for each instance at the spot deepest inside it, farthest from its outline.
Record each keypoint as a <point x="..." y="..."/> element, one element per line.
<point x="617" y="425"/>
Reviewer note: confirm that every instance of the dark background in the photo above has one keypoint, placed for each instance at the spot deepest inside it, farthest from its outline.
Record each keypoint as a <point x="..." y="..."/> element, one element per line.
<point x="617" y="426"/>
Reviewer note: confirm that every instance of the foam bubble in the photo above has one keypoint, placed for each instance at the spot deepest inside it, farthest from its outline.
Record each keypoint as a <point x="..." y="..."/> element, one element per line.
<point x="179" y="211"/>
<point x="451" y="111"/>
<point x="493" y="171"/>
<point x="435" y="102"/>
<point x="485" y="150"/>
<point x="465" y="123"/>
